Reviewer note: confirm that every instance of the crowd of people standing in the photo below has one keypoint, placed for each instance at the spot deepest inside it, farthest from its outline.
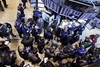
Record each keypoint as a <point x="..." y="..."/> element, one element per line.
<point x="56" y="44"/>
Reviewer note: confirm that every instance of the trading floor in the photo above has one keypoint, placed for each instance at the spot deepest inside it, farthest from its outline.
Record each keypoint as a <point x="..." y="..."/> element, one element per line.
<point x="9" y="15"/>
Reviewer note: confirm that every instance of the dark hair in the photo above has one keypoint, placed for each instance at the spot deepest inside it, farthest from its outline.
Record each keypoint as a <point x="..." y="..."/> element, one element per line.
<point x="20" y="4"/>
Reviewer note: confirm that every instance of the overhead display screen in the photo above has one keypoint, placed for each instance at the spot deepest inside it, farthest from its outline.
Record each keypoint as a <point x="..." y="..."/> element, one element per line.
<point x="33" y="3"/>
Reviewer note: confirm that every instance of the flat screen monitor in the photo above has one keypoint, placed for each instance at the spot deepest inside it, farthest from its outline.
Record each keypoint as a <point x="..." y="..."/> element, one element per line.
<point x="45" y="16"/>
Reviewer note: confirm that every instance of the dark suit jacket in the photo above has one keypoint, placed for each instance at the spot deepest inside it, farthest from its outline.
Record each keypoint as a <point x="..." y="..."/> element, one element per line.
<point x="27" y="42"/>
<point x="4" y="48"/>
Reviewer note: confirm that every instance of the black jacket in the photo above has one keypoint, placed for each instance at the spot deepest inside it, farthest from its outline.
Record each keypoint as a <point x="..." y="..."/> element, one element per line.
<point x="27" y="41"/>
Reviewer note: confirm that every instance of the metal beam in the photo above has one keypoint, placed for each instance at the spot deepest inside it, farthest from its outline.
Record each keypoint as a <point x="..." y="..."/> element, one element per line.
<point x="80" y="3"/>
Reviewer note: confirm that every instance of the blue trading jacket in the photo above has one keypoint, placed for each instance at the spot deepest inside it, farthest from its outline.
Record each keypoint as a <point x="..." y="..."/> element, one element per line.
<point x="26" y="30"/>
<point x="81" y="29"/>
<point x="47" y="34"/>
<point x="18" y="26"/>
<point x="81" y="51"/>
<point x="8" y="27"/>
<point x="5" y="31"/>
<point x="63" y="34"/>
<point x="21" y="9"/>
<point x="35" y="31"/>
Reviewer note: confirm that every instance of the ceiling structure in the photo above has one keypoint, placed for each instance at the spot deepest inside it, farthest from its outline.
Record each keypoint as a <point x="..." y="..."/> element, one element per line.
<point x="90" y="2"/>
